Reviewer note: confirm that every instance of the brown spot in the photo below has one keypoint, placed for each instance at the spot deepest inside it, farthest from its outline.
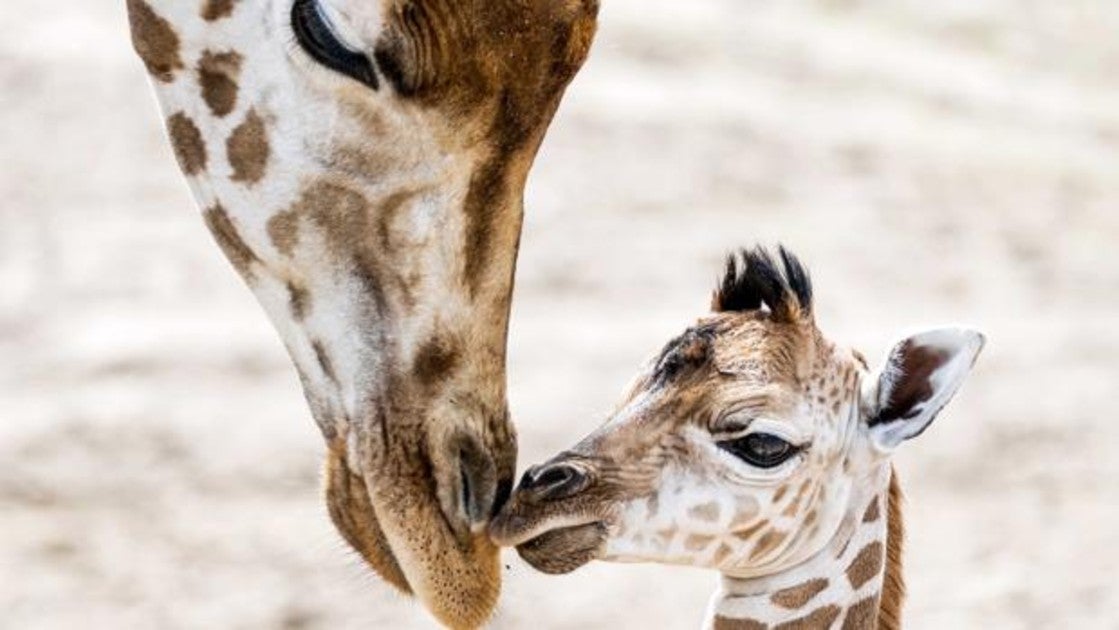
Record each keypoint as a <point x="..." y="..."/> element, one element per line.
<point x="796" y="596"/>
<point x="726" y="623"/>
<point x="780" y="494"/>
<point x="866" y="565"/>
<point x="435" y="361"/>
<point x="217" y="75"/>
<point x="819" y="619"/>
<point x="795" y="504"/>
<point x="746" y="510"/>
<point x="186" y="140"/>
<point x="708" y="512"/>
<point x="486" y="208"/>
<point x="698" y="542"/>
<point x="324" y="360"/>
<point x="863" y="615"/>
<point x="768" y="543"/>
<point x="248" y="149"/>
<point x="872" y="511"/>
<point x="845" y="545"/>
<point x="283" y="229"/>
<point x="225" y="233"/>
<point x="213" y="10"/>
<point x="810" y="520"/>
<point x="299" y="300"/>
<point x="748" y="533"/>
<point x="721" y="554"/>
<point x="387" y="212"/>
<point x="154" y="40"/>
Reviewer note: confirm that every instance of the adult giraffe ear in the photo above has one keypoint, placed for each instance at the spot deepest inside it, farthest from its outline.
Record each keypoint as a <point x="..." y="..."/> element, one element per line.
<point x="919" y="377"/>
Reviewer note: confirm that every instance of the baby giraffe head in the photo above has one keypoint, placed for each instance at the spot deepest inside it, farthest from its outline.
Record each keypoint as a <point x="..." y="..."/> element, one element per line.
<point x="749" y="444"/>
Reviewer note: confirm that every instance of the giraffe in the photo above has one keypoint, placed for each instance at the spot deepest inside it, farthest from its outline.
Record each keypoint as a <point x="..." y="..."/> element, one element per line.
<point x="754" y="446"/>
<point x="361" y="163"/>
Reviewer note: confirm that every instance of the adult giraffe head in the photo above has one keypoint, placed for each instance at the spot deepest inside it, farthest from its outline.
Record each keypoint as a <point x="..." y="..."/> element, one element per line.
<point x="362" y="165"/>
<point x="755" y="446"/>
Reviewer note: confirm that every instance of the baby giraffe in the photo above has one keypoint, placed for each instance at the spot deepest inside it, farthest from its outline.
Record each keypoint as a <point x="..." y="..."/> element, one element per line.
<point x="754" y="446"/>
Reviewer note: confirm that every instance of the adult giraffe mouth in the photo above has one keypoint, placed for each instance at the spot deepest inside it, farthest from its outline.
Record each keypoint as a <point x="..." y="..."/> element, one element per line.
<point x="413" y="543"/>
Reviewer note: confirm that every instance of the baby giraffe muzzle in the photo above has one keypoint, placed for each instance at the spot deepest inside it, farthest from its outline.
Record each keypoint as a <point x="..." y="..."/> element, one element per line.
<point x="752" y="445"/>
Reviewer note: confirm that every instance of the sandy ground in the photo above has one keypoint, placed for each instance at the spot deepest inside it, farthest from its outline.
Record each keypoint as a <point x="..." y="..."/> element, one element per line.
<point x="932" y="161"/>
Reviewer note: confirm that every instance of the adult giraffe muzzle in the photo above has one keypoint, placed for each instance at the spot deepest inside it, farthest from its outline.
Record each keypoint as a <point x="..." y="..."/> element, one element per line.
<point x="362" y="164"/>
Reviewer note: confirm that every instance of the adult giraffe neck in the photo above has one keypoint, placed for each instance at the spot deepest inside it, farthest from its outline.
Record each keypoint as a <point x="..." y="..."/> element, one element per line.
<point x="854" y="583"/>
<point x="362" y="165"/>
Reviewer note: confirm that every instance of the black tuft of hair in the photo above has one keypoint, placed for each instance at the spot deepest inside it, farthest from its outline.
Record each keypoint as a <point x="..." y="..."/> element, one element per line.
<point x="754" y="278"/>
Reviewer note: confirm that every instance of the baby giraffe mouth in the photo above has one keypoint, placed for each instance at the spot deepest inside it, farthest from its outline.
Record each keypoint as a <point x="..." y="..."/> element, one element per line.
<point x="565" y="549"/>
<point x="553" y="546"/>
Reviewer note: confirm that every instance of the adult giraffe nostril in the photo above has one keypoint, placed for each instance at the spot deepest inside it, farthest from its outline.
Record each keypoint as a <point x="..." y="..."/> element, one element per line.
<point x="552" y="482"/>
<point x="473" y="489"/>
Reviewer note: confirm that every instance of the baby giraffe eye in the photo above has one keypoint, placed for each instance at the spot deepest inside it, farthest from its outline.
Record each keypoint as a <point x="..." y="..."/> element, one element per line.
<point x="763" y="450"/>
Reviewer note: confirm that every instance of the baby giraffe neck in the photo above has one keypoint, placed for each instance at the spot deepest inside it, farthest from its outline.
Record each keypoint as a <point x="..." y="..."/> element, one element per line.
<point x="854" y="583"/>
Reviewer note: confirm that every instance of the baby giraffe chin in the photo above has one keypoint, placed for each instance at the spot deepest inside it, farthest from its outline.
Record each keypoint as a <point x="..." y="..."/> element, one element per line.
<point x="753" y="445"/>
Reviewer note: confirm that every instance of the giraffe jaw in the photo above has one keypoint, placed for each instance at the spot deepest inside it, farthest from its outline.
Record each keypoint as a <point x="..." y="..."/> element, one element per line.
<point x="555" y="546"/>
<point x="566" y="549"/>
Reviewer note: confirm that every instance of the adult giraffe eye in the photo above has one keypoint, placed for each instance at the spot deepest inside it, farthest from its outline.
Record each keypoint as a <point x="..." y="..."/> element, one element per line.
<point x="763" y="450"/>
<point x="316" y="37"/>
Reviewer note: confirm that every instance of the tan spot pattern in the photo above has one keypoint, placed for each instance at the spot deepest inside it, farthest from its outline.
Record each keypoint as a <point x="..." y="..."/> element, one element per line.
<point x="248" y="149"/>
<point x="819" y="619"/>
<point x="283" y="230"/>
<point x="324" y="360"/>
<point x="299" y="299"/>
<point x="187" y="143"/>
<point x="721" y="554"/>
<point x="698" y="542"/>
<point x="708" y="512"/>
<point x="746" y="510"/>
<point x="863" y="615"/>
<point x="726" y="623"/>
<point x="230" y="242"/>
<point x="436" y="360"/>
<point x="154" y="40"/>
<point x="748" y="533"/>
<point x="768" y="543"/>
<point x="873" y="511"/>
<point x="217" y="75"/>
<point x="796" y="596"/>
<point x="795" y="504"/>
<point x="866" y="565"/>
<point x="213" y="10"/>
<point x="780" y="493"/>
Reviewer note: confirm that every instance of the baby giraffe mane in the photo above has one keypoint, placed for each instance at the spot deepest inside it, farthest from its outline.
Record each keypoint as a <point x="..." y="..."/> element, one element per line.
<point x="754" y="279"/>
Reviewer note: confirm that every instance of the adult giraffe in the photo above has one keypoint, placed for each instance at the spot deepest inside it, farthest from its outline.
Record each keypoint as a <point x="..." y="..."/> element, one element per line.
<point x="362" y="165"/>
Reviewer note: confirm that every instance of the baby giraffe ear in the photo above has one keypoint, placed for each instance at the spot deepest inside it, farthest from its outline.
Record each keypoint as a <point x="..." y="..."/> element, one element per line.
<point x="919" y="377"/>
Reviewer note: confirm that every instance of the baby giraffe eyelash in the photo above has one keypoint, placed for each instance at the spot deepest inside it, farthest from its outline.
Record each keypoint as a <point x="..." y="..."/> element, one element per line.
<point x="762" y="450"/>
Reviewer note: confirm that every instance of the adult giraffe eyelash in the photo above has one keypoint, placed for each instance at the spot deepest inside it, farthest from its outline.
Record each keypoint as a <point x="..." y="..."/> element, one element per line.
<point x="314" y="35"/>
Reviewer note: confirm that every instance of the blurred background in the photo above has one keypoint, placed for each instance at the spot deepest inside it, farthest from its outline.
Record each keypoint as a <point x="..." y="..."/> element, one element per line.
<point x="933" y="162"/>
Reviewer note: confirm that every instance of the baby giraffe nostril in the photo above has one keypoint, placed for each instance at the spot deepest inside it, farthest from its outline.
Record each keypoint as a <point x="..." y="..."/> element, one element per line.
<point x="555" y="477"/>
<point x="553" y="482"/>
